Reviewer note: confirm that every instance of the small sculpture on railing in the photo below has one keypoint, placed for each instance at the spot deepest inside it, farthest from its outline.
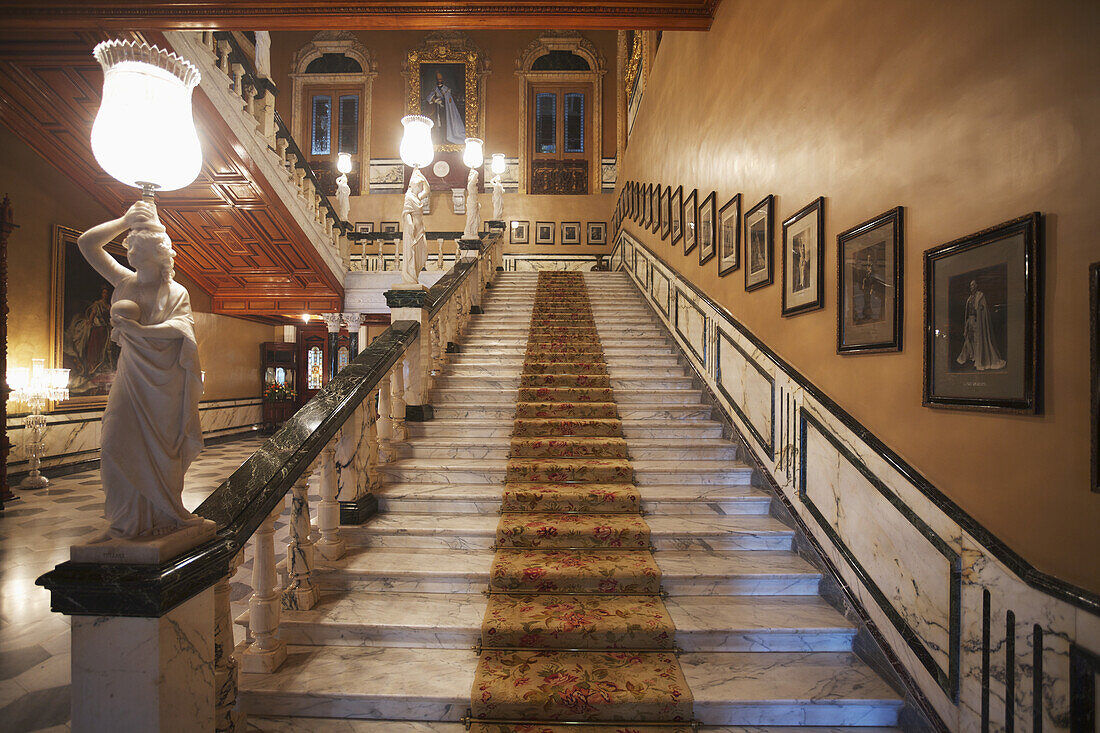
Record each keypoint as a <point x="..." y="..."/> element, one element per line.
<point x="343" y="197"/>
<point x="151" y="430"/>
<point x="498" y="198"/>
<point x="414" y="243"/>
<point x="473" y="207"/>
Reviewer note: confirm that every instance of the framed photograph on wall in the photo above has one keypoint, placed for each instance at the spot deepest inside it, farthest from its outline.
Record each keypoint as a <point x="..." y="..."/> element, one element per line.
<point x="597" y="233"/>
<point x="544" y="232"/>
<point x="869" y="262"/>
<point x="634" y="200"/>
<point x="570" y="232"/>
<point x="760" y="244"/>
<point x="691" y="216"/>
<point x="519" y="232"/>
<point x="804" y="259"/>
<point x="655" y="204"/>
<point x="647" y="203"/>
<point x="729" y="236"/>
<point x="982" y="300"/>
<point x="364" y="227"/>
<point x="676" y="213"/>
<point x="707" y="232"/>
<point x="389" y="227"/>
<point x="665" y="216"/>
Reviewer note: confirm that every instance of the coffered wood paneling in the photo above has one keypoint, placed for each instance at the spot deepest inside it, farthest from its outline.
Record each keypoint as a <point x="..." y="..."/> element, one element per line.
<point x="232" y="234"/>
<point x="358" y="15"/>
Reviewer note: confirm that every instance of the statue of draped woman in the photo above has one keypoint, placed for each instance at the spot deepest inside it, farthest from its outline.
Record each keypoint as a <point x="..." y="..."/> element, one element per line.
<point x="151" y="430"/>
<point x="498" y="198"/>
<point x="473" y="208"/>
<point x="414" y="243"/>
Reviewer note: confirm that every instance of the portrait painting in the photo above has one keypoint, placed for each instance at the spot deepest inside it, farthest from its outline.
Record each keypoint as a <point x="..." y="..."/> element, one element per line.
<point x="707" y="232"/>
<point x="597" y="232"/>
<point x="804" y="259"/>
<point x="676" y="204"/>
<point x="690" y="221"/>
<point x="443" y="101"/>
<point x="570" y="232"/>
<point x="729" y="236"/>
<point x="981" y="319"/>
<point x="80" y="321"/>
<point x="544" y="232"/>
<point x="519" y="232"/>
<point x="869" y="280"/>
<point x="760" y="244"/>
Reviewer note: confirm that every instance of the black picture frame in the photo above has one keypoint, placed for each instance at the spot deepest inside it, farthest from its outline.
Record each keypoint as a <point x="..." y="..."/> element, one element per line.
<point x="666" y="212"/>
<point x="729" y="236"/>
<point x="662" y="212"/>
<point x="634" y="210"/>
<point x="596" y="232"/>
<point x="676" y="212"/>
<point x="759" y="231"/>
<point x="982" y="314"/>
<point x="655" y="205"/>
<point x="804" y="270"/>
<point x="870" y="258"/>
<point x="1094" y="372"/>
<point x="647" y="197"/>
<point x="364" y="227"/>
<point x="544" y="232"/>
<point x="519" y="232"/>
<point x="691" y="221"/>
<point x="389" y="227"/>
<point x="570" y="232"/>
<point x="708" y="229"/>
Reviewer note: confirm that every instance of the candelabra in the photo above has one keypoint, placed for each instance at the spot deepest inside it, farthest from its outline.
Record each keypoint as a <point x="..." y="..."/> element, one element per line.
<point x="34" y="387"/>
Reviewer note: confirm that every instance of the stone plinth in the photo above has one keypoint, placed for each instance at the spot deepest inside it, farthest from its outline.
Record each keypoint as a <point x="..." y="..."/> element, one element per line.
<point x="151" y="550"/>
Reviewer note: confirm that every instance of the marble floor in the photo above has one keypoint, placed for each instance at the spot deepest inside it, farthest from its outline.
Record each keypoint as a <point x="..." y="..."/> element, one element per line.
<point x="35" y="534"/>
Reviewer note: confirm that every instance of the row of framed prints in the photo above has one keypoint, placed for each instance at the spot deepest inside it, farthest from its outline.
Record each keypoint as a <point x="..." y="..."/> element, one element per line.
<point x="519" y="232"/>
<point x="982" y="292"/>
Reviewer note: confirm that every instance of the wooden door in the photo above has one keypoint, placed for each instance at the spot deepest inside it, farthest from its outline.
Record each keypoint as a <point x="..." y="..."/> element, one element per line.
<point x="559" y="138"/>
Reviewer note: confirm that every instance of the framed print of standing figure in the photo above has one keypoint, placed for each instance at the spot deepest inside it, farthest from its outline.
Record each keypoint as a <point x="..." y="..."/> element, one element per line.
<point x="707" y="230"/>
<point x="869" y="285"/>
<point x="982" y="301"/>
<point x="729" y="236"/>
<point x="804" y="259"/>
<point x="691" y="220"/>
<point x="676" y="204"/>
<point x="760" y="244"/>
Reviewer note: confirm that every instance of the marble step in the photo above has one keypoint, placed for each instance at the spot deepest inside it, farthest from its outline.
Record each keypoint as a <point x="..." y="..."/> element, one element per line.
<point x="696" y="572"/>
<point x="514" y="362"/>
<point x="473" y="531"/>
<point x="642" y="381"/>
<point x="633" y="411"/>
<point x="510" y="316"/>
<point x="646" y="472"/>
<point x="269" y="724"/>
<point x="609" y="351"/>
<point x="486" y="329"/>
<point x="502" y="428"/>
<point x="730" y="688"/>
<point x="614" y="340"/>
<point x="446" y="447"/>
<point x="453" y="621"/>
<point x="485" y="396"/>
<point x="656" y="499"/>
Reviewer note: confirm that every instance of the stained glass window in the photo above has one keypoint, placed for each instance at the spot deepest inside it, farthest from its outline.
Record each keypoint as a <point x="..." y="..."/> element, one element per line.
<point x="315" y="366"/>
<point x="322" y="125"/>
<point x="546" y="122"/>
<point x="341" y="358"/>
<point x="280" y="375"/>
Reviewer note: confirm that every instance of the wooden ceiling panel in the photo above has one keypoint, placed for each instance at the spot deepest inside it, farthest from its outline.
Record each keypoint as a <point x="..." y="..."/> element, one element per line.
<point x="232" y="233"/>
<point x="247" y="15"/>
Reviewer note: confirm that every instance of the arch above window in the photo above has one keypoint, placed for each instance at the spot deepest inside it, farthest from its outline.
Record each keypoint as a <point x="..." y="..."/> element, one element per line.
<point x="560" y="60"/>
<point x="334" y="63"/>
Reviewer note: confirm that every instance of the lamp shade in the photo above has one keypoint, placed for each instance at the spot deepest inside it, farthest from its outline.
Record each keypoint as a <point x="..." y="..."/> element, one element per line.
<point x="343" y="163"/>
<point x="144" y="133"/>
<point x="498" y="164"/>
<point x="416" y="143"/>
<point x="474" y="154"/>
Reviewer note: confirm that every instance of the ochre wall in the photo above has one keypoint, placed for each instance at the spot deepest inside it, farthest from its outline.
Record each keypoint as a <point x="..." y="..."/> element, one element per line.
<point x="42" y="197"/>
<point x="967" y="114"/>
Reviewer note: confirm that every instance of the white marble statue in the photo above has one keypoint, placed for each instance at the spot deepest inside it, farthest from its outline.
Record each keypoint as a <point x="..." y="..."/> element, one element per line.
<point x="498" y="198"/>
<point x="263" y="54"/>
<point x="151" y="429"/>
<point x="414" y="243"/>
<point x="343" y="197"/>
<point x="473" y="207"/>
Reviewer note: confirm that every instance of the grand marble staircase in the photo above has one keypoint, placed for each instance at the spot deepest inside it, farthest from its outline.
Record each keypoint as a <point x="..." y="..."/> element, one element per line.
<point x="392" y="638"/>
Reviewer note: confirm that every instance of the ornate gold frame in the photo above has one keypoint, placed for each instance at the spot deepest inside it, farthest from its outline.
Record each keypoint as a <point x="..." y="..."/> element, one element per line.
<point x="448" y="47"/>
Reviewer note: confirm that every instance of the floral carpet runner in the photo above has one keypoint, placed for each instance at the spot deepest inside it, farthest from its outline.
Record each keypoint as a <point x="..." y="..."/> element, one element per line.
<point x="575" y="629"/>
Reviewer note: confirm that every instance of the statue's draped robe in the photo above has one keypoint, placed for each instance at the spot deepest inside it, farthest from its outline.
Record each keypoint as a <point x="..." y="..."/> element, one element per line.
<point x="414" y="244"/>
<point x="151" y="430"/>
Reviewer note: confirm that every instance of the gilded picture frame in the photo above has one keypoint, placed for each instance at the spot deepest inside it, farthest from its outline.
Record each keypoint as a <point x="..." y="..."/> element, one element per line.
<point x="453" y="55"/>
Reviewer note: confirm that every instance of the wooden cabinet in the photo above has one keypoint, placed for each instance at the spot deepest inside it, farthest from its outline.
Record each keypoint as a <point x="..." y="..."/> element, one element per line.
<point x="278" y="371"/>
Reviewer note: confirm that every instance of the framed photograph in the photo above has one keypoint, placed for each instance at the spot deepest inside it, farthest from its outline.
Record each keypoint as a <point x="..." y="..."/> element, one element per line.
<point x="519" y="232"/>
<point x="655" y="206"/>
<point x="570" y="232"/>
<point x="364" y="227"/>
<point x="1094" y="323"/>
<point x="664" y="215"/>
<point x="647" y="211"/>
<point x="707" y="232"/>
<point x="544" y="232"/>
<point x="804" y="259"/>
<point x="691" y="219"/>
<point x="729" y="236"/>
<point x="676" y="214"/>
<point x="760" y="244"/>
<point x="80" y="321"/>
<point x="389" y="227"/>
<point x="597" y="232"/>
<point x="982" y="300"/>
<point x="869" y="262"/>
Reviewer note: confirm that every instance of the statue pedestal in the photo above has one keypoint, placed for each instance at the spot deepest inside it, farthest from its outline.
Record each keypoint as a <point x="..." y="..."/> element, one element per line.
<point x="151" y="550"/>
<point x="470" y="244"/>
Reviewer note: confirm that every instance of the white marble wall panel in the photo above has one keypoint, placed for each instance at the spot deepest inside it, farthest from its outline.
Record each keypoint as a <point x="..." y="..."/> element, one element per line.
<point x="904" y="551"/>
<point x="534" y="263"/>
<point x="747" y="388"/>
<point x="608" y="174"/>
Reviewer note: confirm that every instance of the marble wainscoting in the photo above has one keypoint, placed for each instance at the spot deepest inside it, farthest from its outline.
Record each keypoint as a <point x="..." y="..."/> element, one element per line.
<point x="983" y="639"/>
<point x="72" y="438"/>
<point x="534" y="263"/>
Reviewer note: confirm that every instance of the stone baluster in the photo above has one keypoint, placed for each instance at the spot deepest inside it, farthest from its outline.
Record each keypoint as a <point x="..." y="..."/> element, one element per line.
<point x="298" y="174"/>
<point x="238" y="79"/>
<point x="369" y="437"/>
<point x="281" y="145"/>
<point x="250" y="101"/>
<point x="385" y="417"/>
<point x="364" y="260"/>
<point x="266" y="116"/>
<point x="209" y="42"/>
<point x="397" y="404"/>
<point x="301" y="594"/>
<point x="223" y="56"/>
<point x="226" y="718"/>
<point x="330" y="545"/>
<point x="267" y="652"/>
<point x="439" y="256"/>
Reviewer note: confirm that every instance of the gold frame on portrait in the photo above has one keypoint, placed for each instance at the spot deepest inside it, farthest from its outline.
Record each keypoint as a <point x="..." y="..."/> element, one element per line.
<point x="448" y="47"/>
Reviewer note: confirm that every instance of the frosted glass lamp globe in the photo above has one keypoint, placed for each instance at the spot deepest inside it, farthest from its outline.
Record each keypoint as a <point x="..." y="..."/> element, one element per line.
<point x="416" y="148"/>
<point x="144" y="133"/>
<point x="343" y="163"/>
<point x="498" y="164"/>
<point x="474" y="154"/>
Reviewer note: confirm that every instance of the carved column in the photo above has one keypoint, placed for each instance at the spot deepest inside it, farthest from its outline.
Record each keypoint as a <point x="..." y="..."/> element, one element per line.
<point x="301" y="594"/>
<point x="267" y="652"/>
<point x="385" y="418"/>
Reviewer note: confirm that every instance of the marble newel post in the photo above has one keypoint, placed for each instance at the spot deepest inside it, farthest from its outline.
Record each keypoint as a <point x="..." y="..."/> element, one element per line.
<point x="412" y="305"/>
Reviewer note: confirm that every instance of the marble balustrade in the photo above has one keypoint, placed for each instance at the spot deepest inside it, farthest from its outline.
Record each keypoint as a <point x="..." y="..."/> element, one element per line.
<point x="969" y="623"/>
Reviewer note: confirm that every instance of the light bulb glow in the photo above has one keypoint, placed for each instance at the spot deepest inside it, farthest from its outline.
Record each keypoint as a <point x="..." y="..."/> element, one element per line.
<point x="343" y="163"/>
<point x="416" y="148"/>
<point x="19" y="378"/>
<point x="144" y="132"/>
<point x="306" y="317"/>
<point x="498" y="164"/>
<point x="474" y="154"/>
